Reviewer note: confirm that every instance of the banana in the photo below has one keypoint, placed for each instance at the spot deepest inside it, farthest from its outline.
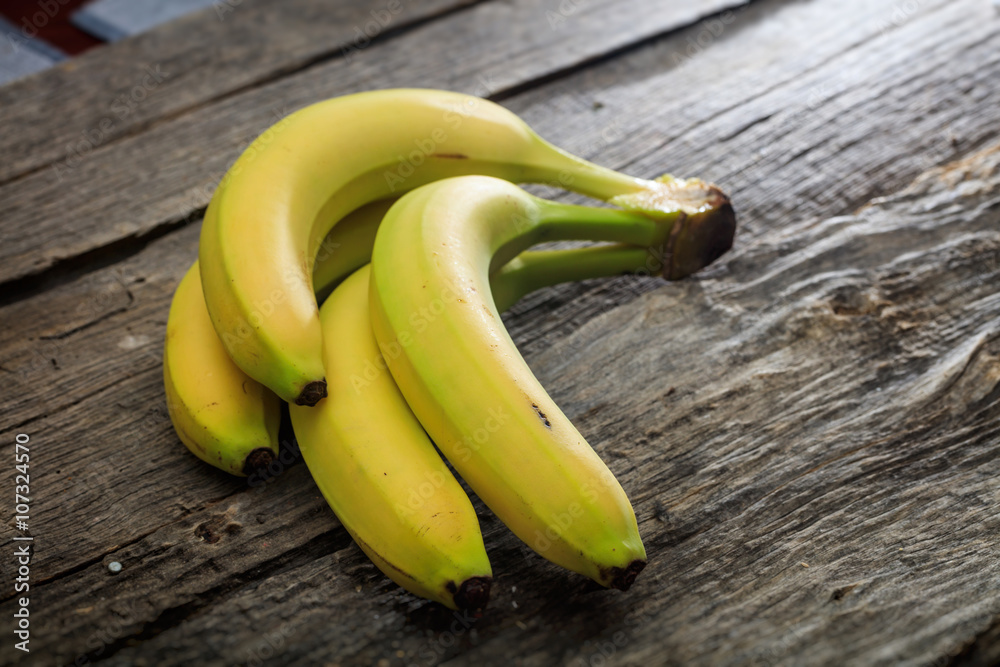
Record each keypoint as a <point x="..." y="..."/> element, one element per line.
<point x="225" y="417"/>
<point x="222" y="415"/>
<point x="374" y="463"/>
<point x="441" y="336"/>
<point x="229" y="420"/>
<point x="274" y="206"/>
<point x="380" y="474"/>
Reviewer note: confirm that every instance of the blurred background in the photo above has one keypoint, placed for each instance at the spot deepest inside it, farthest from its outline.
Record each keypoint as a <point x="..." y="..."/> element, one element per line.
<point x="38" y="34"/>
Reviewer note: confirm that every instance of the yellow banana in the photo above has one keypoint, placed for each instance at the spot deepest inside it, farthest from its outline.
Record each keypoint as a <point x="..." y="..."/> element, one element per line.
<point x="272" y="209"/>
<point x="441" y="336"/>
<point x="381" y="475"/>
<point x="229" y="420"/>
<point x="374" y="463"/>
<point x="224" y="416"/>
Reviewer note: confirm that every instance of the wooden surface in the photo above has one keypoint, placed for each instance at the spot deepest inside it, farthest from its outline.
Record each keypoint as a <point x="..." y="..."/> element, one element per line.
<point x="809" y="430"/>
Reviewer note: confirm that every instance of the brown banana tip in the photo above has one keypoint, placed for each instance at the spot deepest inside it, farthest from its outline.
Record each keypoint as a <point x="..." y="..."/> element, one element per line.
<point x="698" y="239"/>
<point x="312" y="393"/>
<point x="257" y="460"/>
<point x="473" y="593"/>
<point x="622" y="578"/>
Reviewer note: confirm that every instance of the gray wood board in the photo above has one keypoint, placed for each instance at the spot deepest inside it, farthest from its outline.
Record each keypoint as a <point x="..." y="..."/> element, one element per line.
<point x="632" y="123"/>
<point x="825" y="495"/>
<point x="60" y="118"/>
<point x="155" y="179"/>
<point x="808" y="430"/>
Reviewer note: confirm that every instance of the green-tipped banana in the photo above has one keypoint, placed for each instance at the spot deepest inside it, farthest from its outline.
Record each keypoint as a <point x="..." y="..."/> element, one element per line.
<point x="269" y="214"/>
<point x="442" y="338"/>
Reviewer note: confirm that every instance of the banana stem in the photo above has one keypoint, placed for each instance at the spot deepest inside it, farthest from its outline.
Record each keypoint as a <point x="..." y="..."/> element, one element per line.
<point x="565" y="170"/>
<point x="535" y="269"/>
<point x="565" y="222"/>
<point x="692" y="223"/>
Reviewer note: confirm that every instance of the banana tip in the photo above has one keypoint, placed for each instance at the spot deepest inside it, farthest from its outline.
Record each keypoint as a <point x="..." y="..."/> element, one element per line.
<point x="258" y="459"/>
<point x="312" y="393"/>
<point x="622" y="578"/>
<point x="700" y="238"/>
<point x="473" y="593"/>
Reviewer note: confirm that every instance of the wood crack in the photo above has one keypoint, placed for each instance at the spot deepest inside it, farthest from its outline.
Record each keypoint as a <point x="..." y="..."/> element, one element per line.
<point x="67" y="269"/>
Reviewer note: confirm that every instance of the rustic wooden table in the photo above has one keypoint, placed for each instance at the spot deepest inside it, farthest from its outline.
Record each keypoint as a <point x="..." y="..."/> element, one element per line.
<point x="809" y="430"/>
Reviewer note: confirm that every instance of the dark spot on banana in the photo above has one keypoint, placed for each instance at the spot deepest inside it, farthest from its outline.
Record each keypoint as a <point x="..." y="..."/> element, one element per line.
<point x="541" y="415"/>
<point x="451" y="156"/>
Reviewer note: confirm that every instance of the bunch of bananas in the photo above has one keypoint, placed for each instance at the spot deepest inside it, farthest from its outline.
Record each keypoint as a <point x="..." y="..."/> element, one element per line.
<point x="396" y="210"/>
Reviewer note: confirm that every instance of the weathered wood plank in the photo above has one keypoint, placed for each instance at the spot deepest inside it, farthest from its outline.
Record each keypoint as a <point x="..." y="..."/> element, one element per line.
<point x="157" y="178"/>
<point x="808" y="112"/>
<point x="117" y="91"/>
<point x="825" y="495"/>
<point x="72" y="329"/>
<point x="854" y="413"/>
<point x="184" y="566"/>
<point x="634" y="118"/>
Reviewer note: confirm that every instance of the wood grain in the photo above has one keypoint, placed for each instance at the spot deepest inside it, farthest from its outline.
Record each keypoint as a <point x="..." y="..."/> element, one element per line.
<point x="636" y="118"/>
<point x="119" y="91"/>
<point x="808" y="430"/>
<point x="153" y="182"/>
<point x="829" y="483"/>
